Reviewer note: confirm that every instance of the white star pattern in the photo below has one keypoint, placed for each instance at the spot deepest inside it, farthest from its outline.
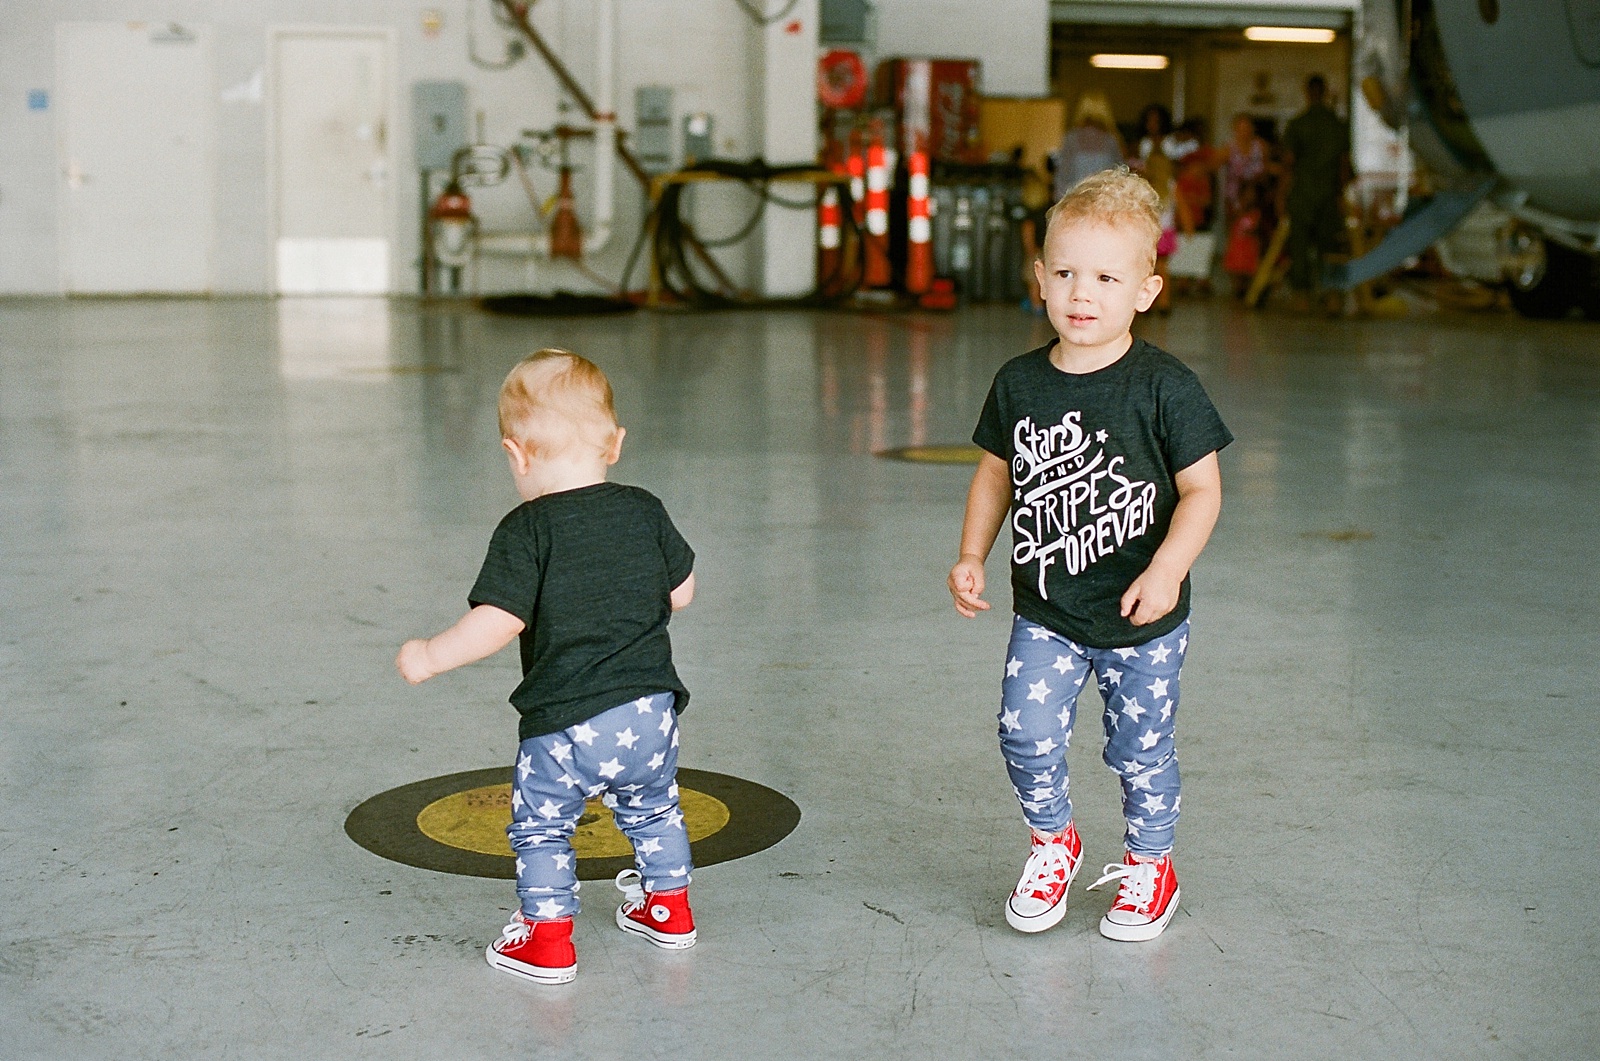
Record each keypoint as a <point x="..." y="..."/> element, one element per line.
<point x="1038" y="691"/>
<point x="609" y="801"/>
<point x="1160" y="653"/>
<point x="584" y="734"/>
<point x="1166" y="710"/>
<point x="666" y="723"/>
<point x="1113" y="676"/>
<point x="643" y="705"/>
<point x="516" y="800"/>
<point x="524" y="766"/>
<point x="562" y="860"/>
<point x="1041" y="793"/>
<point x="1130" y="767"/>
<point x="1101" y="436"/>
<point x="657" y="759"/>
<point x="672" y="791"/>
<point x="609" y="769"/>
<point x="650" y="846"/>
<point x="595" y="790"/>
<point x="1133" y="831"/>
<point x="1132" y="708"/>
<point x="521" y="865"/>
<point x="569" y="780"/>
<point x="626" y="739"/>
<point x="549" y="810"/>
<point x="1062" y="664"/>
<point x="1013" y="667"/>
<point x="1046" y="778"/>
<point x="1183" y="643"/>
<point x="629" y="788"/>
<point x="1154" y="802"/>
<point x="1147" y="739"/>
<point x="1127" y="653"/>
<point x="549" y="908"/>
<point x="1141" y="782"/>
<point x="1065" y="718"/>
<point x="635" y="801"/>
<point x="1045" y="747"/>
<point x="674" y="743"/>
<point x="681" y="871"/>
<point x="560" y="751"/>
<point x="674" y="819"/>
<point x="1008" y="719"/>
<point x="1158" y="687"/>
<point x="1039" y="633"/>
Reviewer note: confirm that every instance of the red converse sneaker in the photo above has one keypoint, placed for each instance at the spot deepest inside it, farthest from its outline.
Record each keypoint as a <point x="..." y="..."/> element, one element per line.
<point x="1146" y="900"/>
<point x="540" y="951"/>
<point x="663" y="918"/>
<point x="1040" y="898"/>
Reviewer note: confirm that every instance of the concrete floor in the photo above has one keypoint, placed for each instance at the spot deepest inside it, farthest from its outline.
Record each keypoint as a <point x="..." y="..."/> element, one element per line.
<point x="221" y="518"/>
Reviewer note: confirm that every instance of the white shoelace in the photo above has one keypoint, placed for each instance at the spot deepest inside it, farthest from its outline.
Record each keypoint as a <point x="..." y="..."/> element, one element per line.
<point x="1138" y="888"/>
<point x="516" y="930"/>
<point x="631" y="885"/>
<point x="1039" y="872"/>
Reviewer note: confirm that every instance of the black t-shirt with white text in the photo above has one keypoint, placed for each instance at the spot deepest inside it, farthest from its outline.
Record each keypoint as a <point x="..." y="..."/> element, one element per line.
<point x="1092" y="459"/>
<point x="591" y="572"/>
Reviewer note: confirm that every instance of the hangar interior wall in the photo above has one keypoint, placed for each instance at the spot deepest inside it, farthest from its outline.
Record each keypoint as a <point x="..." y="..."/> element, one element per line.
<point x="704" y="50"/>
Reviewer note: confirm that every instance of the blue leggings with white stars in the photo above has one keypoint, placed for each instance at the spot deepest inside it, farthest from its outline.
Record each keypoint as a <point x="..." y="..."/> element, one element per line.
<point x="628" y="756"/>
<point x="1045" y="672"/>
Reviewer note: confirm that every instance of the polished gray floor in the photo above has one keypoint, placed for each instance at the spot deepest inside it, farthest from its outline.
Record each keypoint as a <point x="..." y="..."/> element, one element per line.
<point x="219" y="520"/>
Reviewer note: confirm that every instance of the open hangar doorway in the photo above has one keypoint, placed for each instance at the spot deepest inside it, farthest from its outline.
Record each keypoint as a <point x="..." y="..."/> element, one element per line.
<point x="1211" y="62"/>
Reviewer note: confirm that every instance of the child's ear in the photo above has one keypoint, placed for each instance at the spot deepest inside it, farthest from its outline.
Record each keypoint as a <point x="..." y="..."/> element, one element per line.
<point x="1148" y="292"/>
<point x="518" y="455"/>
<point x="614" y="454"/>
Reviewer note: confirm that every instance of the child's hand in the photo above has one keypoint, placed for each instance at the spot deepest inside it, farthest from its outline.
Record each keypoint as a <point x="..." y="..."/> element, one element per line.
<point x="1152" y="595"/>
<point x="413" y="662"/>
<point x="966" y="586"/>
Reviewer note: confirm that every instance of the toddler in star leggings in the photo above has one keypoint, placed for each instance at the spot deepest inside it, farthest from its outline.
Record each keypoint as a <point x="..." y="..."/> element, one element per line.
<point x="1102" y="451"/>
<point x="586" y="574"/>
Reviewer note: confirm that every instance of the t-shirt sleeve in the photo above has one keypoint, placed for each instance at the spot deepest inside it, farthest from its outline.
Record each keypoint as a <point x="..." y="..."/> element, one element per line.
<point x="510" y="576"/>
<point x="990" y="434"/>
<point x="676" y="551"/>
<point x="1190" y="425"/>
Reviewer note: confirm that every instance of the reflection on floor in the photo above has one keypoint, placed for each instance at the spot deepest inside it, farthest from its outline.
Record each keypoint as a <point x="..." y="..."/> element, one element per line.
<point x="221" y="518"/>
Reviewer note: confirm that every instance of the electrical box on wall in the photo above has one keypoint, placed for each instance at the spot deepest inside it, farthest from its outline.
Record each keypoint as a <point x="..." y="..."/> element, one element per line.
<point x="652" y="127"/>
<point x="439" y="118"/>
<point x="699" y="138"/>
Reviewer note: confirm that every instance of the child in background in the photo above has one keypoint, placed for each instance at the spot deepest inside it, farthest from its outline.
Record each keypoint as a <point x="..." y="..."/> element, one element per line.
<point x="1243" y="256"/>
<point x="1103" y="449"/>
<point x="586" y="573"/>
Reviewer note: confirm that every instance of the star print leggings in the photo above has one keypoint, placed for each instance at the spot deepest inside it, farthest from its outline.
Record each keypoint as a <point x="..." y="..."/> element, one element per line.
<point x="628" y="756"/>
<point x="1045" y="672"/>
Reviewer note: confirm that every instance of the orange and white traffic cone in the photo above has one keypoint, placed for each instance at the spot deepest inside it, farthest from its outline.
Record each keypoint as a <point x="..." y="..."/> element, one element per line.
<point x="828" y="239"/>
<point x="919" y="228"/>
<point x="878" y="272"/>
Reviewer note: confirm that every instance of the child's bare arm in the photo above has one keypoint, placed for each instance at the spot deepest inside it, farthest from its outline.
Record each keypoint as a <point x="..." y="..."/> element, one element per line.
<point x="482" y="632"/>
<point x="1155" y="592"/>
<point x="683" y="594"/>
<point x="988" y="500"/>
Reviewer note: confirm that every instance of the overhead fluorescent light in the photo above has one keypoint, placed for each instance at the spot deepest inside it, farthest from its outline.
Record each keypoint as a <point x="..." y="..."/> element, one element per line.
<point x="1108" y="61"/>
<point x="1289" y="35"/>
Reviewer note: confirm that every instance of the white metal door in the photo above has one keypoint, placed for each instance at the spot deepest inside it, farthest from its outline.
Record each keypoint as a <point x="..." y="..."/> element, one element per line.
<point x="330" y="151"/>
<point x="135" y="150"/>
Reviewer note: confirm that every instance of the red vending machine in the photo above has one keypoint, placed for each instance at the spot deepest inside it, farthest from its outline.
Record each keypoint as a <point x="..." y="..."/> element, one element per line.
<point x="936" y="105"/>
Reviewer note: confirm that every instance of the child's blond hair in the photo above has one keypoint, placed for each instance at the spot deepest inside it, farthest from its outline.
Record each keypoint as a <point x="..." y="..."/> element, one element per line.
<point x="554" y="400"/>
<point x="1116" y="197"/>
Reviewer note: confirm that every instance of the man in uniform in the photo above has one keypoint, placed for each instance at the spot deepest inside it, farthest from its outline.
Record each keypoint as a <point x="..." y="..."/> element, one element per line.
<point x="1317" y="143"/>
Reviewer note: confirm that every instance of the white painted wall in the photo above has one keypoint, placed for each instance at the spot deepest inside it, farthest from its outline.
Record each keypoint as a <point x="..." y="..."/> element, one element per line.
<point x="1010" y="37"/>
<point x="702" y="48"/>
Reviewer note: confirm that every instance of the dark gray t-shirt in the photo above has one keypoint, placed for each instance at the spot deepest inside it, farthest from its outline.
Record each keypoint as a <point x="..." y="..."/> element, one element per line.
<point x="1093" y="459"/>
<point x="591" y="572"/>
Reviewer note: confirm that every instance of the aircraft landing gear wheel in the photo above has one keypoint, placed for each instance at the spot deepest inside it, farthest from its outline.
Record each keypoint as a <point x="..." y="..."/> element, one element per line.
<point x="1545" y="279"/>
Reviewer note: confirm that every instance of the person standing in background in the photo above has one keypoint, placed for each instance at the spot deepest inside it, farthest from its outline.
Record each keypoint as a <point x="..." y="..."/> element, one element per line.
<point x="1317" y="157"/>
<point x="1091" y="145"/>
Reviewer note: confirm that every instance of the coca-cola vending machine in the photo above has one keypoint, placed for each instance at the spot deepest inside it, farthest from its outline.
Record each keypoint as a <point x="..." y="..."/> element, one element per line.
<point x="935" y="100"/>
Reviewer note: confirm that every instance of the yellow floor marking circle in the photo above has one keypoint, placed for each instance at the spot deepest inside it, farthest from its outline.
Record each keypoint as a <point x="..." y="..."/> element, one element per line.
<point x="476" y="820"/>
<point x="934" y="454"/>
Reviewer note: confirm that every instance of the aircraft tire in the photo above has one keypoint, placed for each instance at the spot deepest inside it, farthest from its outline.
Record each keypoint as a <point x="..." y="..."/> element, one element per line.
<point x="1564" y="283"/>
